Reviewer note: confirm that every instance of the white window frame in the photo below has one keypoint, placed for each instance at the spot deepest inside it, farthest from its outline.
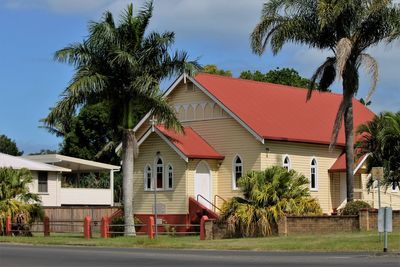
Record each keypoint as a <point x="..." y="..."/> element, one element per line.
<point x="43" y="182"/>
<point x="289" y="164"/>
<point x="156" y="165"/>
<point x="315" y="167"/>
<point x="234" y="165"/>
<point x="169" y="170"/>
<point x="145" y="177"/>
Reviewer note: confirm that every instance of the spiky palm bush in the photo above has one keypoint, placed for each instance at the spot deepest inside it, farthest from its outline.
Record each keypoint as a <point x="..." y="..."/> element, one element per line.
<point x="15" y="198"/>
<point x="381" y="139"/>
<point x="267" y="195"/>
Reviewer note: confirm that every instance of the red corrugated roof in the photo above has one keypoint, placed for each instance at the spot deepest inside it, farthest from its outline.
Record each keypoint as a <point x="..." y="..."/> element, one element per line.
<point x="340" y="163"/>
<point x="280" y="112"/>
<point x="191" y="144"/>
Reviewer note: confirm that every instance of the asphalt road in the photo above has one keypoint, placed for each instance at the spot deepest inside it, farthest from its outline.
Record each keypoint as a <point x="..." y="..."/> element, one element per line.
<point x="42" y="256"/>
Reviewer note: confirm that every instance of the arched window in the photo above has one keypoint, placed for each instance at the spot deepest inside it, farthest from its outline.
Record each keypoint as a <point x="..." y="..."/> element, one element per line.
<point x="286" y="162"/>
<point x="148" y="183"/>
<point x="237" y="171"/>
<point x="313" y="175"/>
<point x="159" y="173"/>
<point x="170" y="177"/>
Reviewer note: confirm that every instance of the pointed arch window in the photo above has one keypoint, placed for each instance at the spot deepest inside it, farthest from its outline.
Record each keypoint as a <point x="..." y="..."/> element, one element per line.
<point x="170" y="177"/>
<point x="314" y="175"/>
<point x="237" y="171"/>
<point x="159" y="173"/>
<point x="286" y="162"/>
<point x="148" y="179"/>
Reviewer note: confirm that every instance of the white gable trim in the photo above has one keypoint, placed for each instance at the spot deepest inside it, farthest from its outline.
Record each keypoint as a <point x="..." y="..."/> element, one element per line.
<point x="166" y="93"/>
<point x="233" y="115"/>
<point x="162" y="136"/>
<point x="205" y="91"/>
<point x="360" y="164"/>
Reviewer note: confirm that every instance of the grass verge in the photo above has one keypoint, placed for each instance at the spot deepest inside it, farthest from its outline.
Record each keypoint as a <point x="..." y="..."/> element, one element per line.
<point x="348" y="242"/>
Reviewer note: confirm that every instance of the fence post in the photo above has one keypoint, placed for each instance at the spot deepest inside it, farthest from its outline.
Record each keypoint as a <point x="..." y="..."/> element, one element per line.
<point x="87" y="231"/>
<point x="46" y="226"/>
<point x="150" y="227"/>
<point x="104" y="228"/>
<point x="8" y="225"/>
<point x="203" y="227"/>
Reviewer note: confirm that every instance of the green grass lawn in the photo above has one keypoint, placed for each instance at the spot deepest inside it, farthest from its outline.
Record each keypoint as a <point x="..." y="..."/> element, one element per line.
<point x="361" y="241"/>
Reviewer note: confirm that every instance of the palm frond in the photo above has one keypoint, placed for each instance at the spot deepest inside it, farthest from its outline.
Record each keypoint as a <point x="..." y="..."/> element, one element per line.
<point x="325" y="75"/>
<point x="343" y="52"/>
<point x="337" y="124"/>
<point x="372" y="67"/>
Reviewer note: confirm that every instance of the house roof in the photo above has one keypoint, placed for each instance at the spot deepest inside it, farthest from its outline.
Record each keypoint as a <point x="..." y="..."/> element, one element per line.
<point x="189" y="145"/>
<point x="8" y="161"/>
<point x="340" y="163"/>
<point x="280" y="112"/>
<point x="75" y="164"/>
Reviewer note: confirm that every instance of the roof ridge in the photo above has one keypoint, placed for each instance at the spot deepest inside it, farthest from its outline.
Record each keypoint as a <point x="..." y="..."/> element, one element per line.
<point x="261" y="82"/>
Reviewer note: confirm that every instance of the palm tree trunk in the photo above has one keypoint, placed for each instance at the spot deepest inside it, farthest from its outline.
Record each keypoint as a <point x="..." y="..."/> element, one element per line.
<point x="128" y="144"/>
<point x="350" y="85"/>
<point x="348" y="128"/>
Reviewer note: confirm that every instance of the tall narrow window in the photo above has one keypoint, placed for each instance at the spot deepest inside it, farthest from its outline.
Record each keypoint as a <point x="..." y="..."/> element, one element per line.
<point x="148" y="183"/>
<point x="313" y="175"/>
<point x="237" y="171"/>
<point x="170" y="182"/>
<point x="286" y="163"/>
<point x="159" y="173"/>
<point x="42" y="182"/>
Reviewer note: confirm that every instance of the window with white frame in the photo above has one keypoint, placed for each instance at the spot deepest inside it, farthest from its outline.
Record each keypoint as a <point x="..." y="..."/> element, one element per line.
<point x="286" y="162"/>
<point x="237" y="171"/>
<point x="313" y="175"/>
<point x="42" y="182"/>
<point x="170" y="177"/>
<point x="159" y="173"/>
<point x="148" y="179"/>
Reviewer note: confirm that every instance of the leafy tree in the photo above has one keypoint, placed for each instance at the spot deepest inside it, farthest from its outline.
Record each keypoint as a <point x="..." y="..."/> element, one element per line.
<point x="15" y="198"/>
<point x="213" y="69"/>
<point x="8" y="146"/>
<point x="345" y="27"/>
<point x="267" y="195"/>
<point x="121" y="65"/>
<point x="381" y="138"/>
<point x="91" y="135"/>
<point x="285" y="76"/>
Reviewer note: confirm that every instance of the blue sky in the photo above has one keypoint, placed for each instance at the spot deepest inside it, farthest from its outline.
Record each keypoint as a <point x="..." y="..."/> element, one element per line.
<point x="217" y="31"/>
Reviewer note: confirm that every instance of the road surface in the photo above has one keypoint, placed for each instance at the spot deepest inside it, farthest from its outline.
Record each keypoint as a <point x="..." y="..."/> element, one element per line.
<point x="47" y="256"/>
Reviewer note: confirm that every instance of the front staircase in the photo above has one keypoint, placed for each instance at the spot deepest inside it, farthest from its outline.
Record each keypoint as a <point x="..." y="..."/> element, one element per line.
<point x="198" y="210"/>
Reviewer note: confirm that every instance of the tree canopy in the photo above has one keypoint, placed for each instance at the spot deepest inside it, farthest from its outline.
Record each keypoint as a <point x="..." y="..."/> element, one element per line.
<point x="285" y="76"/>
<point x="213" y="69"/>
<point x="8" y="146"/>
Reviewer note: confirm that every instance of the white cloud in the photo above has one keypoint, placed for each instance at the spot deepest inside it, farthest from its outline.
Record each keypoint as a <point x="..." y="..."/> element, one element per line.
<point x="60" y="6"/>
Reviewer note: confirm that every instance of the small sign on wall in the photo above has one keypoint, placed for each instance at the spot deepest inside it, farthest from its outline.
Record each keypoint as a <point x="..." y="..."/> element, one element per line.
<point x="377" y="173"/>
<point x="161" y="209"/>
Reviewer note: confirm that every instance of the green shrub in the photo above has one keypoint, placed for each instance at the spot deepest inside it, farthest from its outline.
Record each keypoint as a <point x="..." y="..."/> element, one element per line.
<point x="353" y="208"/>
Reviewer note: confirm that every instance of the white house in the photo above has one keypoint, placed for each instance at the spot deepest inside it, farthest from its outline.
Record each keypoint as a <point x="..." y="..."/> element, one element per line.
<point x="47" y="172"/>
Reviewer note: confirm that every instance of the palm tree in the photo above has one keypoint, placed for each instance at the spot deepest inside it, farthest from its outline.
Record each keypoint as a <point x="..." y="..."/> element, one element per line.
<point x="345" y="27"/>
<point x="381" y="139"/>
<point x="15" y="198"/>
<point x="267" y="195"/>
<point x="122" y="66"/>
